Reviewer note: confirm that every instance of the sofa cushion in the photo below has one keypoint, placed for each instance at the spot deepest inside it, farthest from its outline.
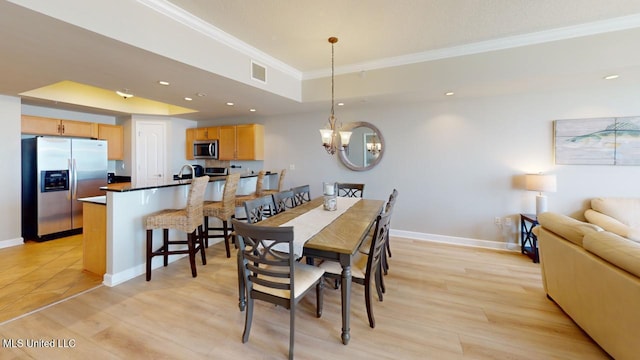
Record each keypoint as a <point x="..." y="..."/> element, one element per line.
<point x="615" y="249"/>
<point x="567" y="227"/>
<point x="625" y="210"/>
<point x="619" y="215"/>
<point x="608" y="223"/>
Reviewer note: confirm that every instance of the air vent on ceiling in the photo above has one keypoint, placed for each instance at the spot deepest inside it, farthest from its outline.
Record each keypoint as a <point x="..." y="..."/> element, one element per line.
<point x="258" y="72"/>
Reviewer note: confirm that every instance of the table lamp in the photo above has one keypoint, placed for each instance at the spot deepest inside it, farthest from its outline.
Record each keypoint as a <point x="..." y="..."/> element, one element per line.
<point x="541" y="183"/>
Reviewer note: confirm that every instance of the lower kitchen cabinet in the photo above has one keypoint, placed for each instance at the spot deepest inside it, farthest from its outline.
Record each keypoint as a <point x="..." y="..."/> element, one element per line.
<point x="94" y="238"/>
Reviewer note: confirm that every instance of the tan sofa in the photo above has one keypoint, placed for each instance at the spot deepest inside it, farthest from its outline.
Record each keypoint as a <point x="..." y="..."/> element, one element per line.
<point x="592" y="271"/>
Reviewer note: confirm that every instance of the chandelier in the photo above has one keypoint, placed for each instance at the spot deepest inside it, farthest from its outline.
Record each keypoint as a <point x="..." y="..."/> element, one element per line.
<point x="330" y="133"/>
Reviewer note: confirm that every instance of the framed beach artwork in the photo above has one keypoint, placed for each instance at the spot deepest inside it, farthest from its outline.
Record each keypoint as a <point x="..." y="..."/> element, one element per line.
<point x="599" y="141"/>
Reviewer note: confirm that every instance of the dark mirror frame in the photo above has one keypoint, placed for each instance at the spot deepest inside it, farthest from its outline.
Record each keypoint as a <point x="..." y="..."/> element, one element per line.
<point x="342" y="153"/>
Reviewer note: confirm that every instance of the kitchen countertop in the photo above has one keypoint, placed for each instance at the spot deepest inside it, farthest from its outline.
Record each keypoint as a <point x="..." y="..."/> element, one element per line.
<point x="101" y="200"/>
<point x="126" y="187"/>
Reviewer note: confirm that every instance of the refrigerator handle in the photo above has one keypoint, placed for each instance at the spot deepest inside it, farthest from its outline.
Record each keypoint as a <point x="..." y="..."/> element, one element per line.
<point x="69" y="180"/>
<point x="75" y="179"/>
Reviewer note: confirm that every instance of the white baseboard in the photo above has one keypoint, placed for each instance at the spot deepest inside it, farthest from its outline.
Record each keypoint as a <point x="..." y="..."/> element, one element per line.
<point x="487" y="244"/>
<point x="11" y="242"/>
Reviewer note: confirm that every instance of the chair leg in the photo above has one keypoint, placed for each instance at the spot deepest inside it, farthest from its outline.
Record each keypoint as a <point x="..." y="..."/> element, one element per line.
<point x="226" y="237"/>
<point x="319" y="297"/>
<point x="206" y="231"/>
<point x="165" y="245"/>
<point x="192" y="252"/>
<point x="379" y="283"/>
<point x="201" y="245"/>
<point x="149" y="251"/>
<point x="292" y="327"/>
<point x="367" y="299"/>
<point x="242" y="295"/>
<point x="247" y="320"/>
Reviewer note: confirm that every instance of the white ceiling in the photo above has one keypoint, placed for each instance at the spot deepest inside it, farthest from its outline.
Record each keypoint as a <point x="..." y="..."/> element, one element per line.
<point x="414" y="49"/>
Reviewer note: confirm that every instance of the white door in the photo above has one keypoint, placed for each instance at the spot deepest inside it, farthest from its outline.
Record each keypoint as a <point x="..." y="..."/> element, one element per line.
<point x="150" y="153"/>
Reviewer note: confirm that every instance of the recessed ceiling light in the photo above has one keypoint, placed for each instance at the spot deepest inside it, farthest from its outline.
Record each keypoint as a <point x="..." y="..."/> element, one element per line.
<point x="230" y="103"/>
<point x="188" y="98"/>
<point x="340" y="104"/>
<point x="162" y="82"/>
<point x="125" y="93"/>
<point x="611" y="77"/>
<point x="449" y="93"/>
<point x="201" y="94"/>
<point x="252" y="110"/>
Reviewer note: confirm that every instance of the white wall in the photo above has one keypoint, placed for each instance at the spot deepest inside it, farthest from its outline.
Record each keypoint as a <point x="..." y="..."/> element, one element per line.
<point x="457" y="163"/>
<point x="10" y="184"/>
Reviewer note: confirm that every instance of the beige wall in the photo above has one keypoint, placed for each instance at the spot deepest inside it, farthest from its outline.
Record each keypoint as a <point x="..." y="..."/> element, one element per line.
<point x="456" y="163"/>
<point x="10" y="162"/>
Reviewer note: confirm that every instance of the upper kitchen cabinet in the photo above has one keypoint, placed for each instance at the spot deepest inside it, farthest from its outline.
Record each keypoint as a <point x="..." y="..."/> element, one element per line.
<point x="47" y="126"/>
<point x="241" y="142"/>
<point x="208" y="133"/>
<point x="114" y="134"/>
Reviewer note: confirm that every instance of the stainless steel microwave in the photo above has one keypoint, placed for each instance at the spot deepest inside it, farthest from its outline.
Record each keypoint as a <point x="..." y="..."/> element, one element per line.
<point x="205" y="149"/>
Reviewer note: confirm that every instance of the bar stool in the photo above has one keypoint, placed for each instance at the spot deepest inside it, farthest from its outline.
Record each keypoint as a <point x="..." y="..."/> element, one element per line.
<point x="223" y="210"/>
<point x="188" y="220"/>
<point x="280" y="184"/>
<point x="256" y="194"/>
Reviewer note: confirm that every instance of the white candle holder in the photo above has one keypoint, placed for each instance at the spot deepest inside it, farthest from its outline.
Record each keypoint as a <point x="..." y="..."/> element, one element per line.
<point x="330" y="192"/>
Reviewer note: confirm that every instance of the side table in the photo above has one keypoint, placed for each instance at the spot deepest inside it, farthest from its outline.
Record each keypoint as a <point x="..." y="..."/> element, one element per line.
<point x="528" y="240"/>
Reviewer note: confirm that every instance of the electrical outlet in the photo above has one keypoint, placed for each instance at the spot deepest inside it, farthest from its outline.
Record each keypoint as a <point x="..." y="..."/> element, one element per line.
<point x="497" y="220"/>
<point x="292" y="166"/>
<point x="508" y="221"/>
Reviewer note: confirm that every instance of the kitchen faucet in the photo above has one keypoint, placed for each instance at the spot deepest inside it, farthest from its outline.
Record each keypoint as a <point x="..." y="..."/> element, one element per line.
<point x="188" y="166"/>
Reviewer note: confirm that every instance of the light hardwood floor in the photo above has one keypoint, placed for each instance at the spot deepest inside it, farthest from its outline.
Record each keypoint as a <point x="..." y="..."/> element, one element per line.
<point x="41" y="273"/>
<point x="442" y="302"/>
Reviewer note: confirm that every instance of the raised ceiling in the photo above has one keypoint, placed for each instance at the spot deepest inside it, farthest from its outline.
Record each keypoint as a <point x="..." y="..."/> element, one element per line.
<point x="406" y="49"/>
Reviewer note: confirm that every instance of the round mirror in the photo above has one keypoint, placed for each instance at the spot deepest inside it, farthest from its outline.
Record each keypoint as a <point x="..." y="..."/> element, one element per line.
<point x="365" y="147"/>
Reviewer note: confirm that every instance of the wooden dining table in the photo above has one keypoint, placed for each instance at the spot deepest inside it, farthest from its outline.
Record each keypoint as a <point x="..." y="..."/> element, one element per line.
<point x="338" y="241"/>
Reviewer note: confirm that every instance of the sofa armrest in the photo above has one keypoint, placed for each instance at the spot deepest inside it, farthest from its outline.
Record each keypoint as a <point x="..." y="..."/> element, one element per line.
<point x="615" y="249"/>
<point x="569" y="228"/>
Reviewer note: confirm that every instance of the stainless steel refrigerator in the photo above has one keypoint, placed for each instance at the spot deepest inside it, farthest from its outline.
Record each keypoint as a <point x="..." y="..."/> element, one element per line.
<point x="56" y="172"/>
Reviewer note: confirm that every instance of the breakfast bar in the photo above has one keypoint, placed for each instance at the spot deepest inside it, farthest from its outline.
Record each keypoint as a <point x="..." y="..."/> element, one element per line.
<point x="127" y="206"/>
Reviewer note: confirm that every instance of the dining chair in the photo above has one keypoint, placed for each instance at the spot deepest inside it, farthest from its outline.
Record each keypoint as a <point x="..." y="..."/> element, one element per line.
<point x="273" y="275"/>
<point x="259" y="209"/>
<point x="283" y="172"/>
<point x="366" y="267"/>
<point x="222" y="210"/>
<point x="283" y="200"/>
<point x="301" y="194"/>
<point x="388" y="207"/>
<point x="188" y="220"/>
<point x="350" y="190"/>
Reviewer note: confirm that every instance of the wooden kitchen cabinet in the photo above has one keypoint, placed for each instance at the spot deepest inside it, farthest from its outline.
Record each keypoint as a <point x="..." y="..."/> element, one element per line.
<point x="37" y="125"/>
<point x="241" y="142"/>
<point x="208" y="133"/>
<point x="94" y="238"/>
<point x="191" y="136"/>
<point x="114" y="134"/>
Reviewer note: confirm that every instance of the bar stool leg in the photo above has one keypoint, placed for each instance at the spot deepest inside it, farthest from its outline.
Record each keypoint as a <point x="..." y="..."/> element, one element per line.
<point x="165" y="246"/>
<point x="192" y="252"/>
<point x="149" y="251"/>
<point x="201" y="245"/>
<point x="226" y="237"/>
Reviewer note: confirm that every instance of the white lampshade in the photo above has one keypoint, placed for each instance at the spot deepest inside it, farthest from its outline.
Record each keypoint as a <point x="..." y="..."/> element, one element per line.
<point x="345" y="136"/>
<point x="540" y="182"/>
<point x="327" y="135"/>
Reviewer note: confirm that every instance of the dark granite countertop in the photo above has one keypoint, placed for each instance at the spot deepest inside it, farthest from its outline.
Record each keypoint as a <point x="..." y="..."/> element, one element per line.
<point x="126" y="187"/>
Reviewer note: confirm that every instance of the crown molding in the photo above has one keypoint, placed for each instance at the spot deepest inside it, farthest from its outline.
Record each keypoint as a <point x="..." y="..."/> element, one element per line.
<point x="183" y="17"/>
<point x="564" y="33"/>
